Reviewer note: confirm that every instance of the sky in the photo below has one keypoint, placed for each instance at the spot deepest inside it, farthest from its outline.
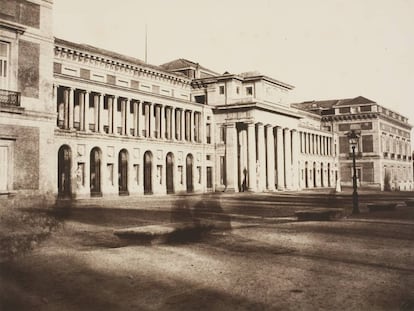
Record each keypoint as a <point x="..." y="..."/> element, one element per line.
<point x="327" y="49"/>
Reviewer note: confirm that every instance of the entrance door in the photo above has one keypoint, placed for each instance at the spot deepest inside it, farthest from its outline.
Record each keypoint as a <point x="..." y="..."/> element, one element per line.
<point x="64" y="176"/>
<point x="123" y="172"/>
<point x="189" y="173"/>
<point x="148" y="173"/>
<point x="209" y="177"/>
<point x="170" y="173"/>
<point x="95" y="172"/>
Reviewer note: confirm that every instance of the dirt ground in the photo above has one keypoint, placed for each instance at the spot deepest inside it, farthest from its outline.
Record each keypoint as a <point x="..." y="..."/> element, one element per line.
<point x="357" y="263"/>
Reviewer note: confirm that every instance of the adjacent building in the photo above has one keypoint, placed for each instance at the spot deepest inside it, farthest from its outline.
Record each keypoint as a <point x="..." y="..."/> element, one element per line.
<point x="27" y="115"/>
<point x="384" y="159"/>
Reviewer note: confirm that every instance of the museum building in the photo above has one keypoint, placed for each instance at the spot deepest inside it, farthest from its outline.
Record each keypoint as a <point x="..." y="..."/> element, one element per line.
<point x="77" y="121"/>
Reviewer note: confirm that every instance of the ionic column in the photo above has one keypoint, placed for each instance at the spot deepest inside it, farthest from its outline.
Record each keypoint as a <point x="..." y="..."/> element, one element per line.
<point x="261" y="157"/>
<point x="317" y="144"/>
<point x="100" y="110"/>
<point x="280" y="159"/>
<point x="231" y="158"/>
<point x="127" y="115"/>
<point x="87" y="117"/>
<point x="71" y="108"/>
<point x="251" y="152"/>
<point x="81" y="110"/>
<point x="168" y="123"/>
<point x="162" y="120"/>
<point x="192" y="123"/>
<point x="151" y="119"/>
<point x="110" y="114"/>
<point x="270" y="141"/>
<point x="115" y="115"/>
<point x="295" y="159"/>
<point x="182" y="126"/>
<point x="136" y="112"/>
<point x="288" y="159"/>
<point x="66" y="108"/>
<point x="140" y="118"/>
<point x="173" y="129"/>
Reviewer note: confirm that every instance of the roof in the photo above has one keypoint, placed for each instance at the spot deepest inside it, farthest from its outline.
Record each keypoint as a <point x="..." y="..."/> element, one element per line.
<point x="328" y="104"/>
<point x="182" y="63"/>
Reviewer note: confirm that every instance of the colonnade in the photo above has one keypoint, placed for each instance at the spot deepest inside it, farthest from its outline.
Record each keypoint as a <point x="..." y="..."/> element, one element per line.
<point x="261" y="157"/>
<point x="316" y="144"/>
<point x="111" y="114"/>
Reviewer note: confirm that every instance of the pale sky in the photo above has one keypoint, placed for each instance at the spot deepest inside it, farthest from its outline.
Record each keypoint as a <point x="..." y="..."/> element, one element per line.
<point x="327" y="49"/>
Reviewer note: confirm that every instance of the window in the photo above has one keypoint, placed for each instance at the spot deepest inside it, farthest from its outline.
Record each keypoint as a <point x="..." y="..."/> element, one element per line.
<point x="367" y="143"/>
<point x="208" y="157"/>
<point x="6" y="164"/>
<point x="199" y="174"/>
<point x="221" y="89"/>
<point x="365" y="108"/>
<point x="237" y="90"/>
<point x="200" y="99"/>
<point x="249" y="90"/>
<point x="4" y="65"/>
<point x="366" y="126"/>
<point x="343" y="144"/>
<point x="344" y="127"/>
<point x="345" y="110"/>
<point x="208" y="133"/>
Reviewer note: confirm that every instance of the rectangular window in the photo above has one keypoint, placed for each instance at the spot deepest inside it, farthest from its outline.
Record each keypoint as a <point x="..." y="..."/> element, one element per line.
<point x="221" y="89"/>
<point x="237" y="90"/>
<point x="200" y="99"/>
<point x="345" y="110"/>
<point x="344" y="127"/>
<point x="208" y="133"/>
<point x="209" y="177"/>
<point x="365" y="108"/>
<point x="366" y="126"/>
<point x="6" y="165"/>
<point x="249" y="90"/>
<point x="367" y="143"/>
<point x="344" y="144"/>
<point x="208" y="157"/>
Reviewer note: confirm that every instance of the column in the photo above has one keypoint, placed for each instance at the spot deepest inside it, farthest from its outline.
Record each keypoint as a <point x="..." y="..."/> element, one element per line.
<point x="115" y="115"/>
<point x="66" y="108"/>
<point x="288" y="159"/>
<point x="168" y="123"/>
<point x="295" y="159"/>
<point x="71" y="108"/>
<point x="192" y="126"/>
<point x="87" y="115"/>
<point x="251" y="153"/>
<point x="140" y="119"/>
<point x="280" y="159"/>
<point x="317" y="145"/>
<point x="270" y="141"/>
<point x="123" y="116"/>
<point x="231" y="158"/>
<point x="182" y="125"/>
<point x="136" y="112"/>
<point x="201" y="127"/>
<point x="162" y="120"/>
<point x="173" y="129"/>
<point x="81" y="98"/>
<point x="151" y="122"/>
<point x="110" y="100"/>
<point x="127" y="115"/>
<point x="261" y="176"/>
<point x="100" y="108"/>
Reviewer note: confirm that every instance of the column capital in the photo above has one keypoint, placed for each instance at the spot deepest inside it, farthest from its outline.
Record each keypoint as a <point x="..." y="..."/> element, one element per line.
<point x="230" y="125"/>
<point x="268" y="126"/>
<point x="294" y="130"/>
<point x="259" y="124"/>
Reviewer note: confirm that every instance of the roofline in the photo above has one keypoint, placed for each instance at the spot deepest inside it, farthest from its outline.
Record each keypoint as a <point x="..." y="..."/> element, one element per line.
<point x="117" y="56"/>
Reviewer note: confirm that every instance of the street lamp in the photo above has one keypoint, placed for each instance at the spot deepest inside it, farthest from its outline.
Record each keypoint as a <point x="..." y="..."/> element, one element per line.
<point x="353" y="137"/>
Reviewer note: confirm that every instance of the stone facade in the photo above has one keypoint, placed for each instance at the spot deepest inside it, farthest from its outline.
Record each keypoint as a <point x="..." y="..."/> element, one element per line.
<point x="383" y="153"/>
<point x="26" y="115"/>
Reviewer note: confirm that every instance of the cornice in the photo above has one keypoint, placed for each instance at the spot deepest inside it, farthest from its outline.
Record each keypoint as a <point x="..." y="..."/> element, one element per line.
<point x="114" y="64"/>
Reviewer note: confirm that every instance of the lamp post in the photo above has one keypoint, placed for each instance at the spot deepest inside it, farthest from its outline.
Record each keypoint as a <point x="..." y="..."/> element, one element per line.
<point x="353" y="137"/>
